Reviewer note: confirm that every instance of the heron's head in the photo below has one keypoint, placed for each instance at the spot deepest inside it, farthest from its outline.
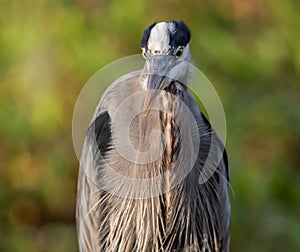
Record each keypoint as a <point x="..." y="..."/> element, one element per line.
<point x="165" y="46"/>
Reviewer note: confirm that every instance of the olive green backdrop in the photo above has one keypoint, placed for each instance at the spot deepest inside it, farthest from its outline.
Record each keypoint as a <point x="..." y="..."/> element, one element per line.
<point x="250" y="50"/>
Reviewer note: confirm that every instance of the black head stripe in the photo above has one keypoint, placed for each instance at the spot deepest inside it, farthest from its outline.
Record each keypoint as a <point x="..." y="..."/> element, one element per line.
<point x="181" y="35"/>
<point x="146" y="36"/>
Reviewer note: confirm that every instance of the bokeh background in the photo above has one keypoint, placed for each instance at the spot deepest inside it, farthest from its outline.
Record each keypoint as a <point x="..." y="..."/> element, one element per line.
<point x="250" y="50"/>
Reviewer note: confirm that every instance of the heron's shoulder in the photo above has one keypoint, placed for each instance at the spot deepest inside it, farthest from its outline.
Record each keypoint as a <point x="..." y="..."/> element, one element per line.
<point x="197" y="113"/>
<point x="117" y="92"/>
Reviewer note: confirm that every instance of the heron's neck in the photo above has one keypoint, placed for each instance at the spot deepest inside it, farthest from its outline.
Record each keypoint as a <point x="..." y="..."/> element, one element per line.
<point x="175" y="88"/>
<point x="169" y="127"/>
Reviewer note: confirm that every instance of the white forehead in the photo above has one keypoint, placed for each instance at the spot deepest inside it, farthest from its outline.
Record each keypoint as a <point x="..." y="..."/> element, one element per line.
<point x="159" y="39"/>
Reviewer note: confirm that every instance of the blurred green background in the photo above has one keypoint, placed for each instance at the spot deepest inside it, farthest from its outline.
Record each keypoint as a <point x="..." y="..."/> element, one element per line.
<point x="250" y="50"/>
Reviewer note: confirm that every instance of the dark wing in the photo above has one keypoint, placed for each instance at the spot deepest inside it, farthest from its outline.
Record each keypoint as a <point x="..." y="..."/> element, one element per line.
<point x="216" y="191"/>
<point x="97" y="144"/>
<point x="214" y="211"/>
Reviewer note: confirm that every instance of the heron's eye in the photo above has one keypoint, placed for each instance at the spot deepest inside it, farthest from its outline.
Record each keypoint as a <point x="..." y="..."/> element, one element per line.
<point x="144" y="54"/>
<point x="179" y="52"/>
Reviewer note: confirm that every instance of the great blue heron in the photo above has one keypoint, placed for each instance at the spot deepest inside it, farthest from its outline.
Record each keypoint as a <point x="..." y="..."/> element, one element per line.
<point x="141" y="183"/>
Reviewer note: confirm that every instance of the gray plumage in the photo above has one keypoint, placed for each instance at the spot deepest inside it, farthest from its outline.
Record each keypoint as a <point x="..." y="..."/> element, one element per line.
<point x="142" y="201"/>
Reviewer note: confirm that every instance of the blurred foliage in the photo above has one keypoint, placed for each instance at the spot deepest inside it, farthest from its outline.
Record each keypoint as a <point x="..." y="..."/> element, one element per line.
<point x="48" y="49"/>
